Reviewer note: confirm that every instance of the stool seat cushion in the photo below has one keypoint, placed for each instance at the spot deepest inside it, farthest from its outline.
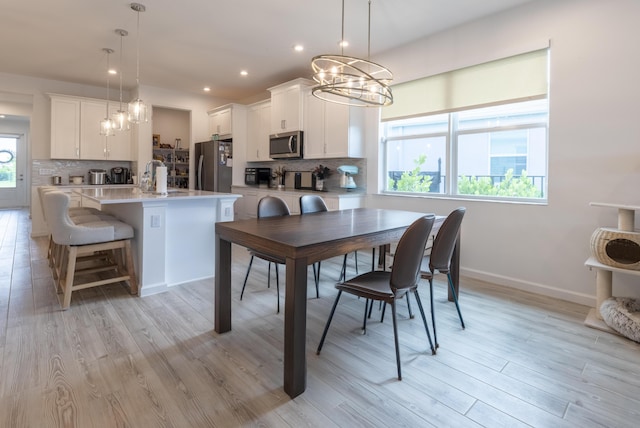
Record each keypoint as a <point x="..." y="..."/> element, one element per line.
<point x="120" y="230"/>
<point x="623" y="315"/>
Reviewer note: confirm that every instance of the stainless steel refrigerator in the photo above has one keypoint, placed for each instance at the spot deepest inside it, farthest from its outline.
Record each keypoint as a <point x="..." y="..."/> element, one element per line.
<point x="213" y="165"/>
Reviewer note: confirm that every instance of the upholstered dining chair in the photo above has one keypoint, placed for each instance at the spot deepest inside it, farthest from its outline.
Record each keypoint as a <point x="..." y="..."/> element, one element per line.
<point x="387" y="286"/>
<point x="439" y="260"/>
<point x="269" y="206"/>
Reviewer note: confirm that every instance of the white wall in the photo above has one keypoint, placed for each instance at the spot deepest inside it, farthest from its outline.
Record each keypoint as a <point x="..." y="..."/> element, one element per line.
<point x="594" y="141"/>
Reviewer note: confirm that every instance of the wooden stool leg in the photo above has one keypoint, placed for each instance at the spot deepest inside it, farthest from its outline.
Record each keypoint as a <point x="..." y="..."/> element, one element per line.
<point x="68" y="285"/>
<point x="133" y="283"/>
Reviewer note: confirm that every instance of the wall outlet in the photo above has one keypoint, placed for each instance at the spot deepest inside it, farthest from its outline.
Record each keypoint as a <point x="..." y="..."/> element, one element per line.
<point x="155" y="220"/>
<point x="45" y="171"/>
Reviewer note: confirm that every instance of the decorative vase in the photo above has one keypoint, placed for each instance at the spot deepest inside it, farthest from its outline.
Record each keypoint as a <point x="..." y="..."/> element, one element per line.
<point x="319" y="184"/>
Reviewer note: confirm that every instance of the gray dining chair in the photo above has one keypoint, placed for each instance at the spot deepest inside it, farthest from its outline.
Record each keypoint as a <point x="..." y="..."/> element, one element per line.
<point x="314" y="204"/>
<point x="269" y="206"/>
<point x="387" y="286"/>
<point x="439" y="260"/>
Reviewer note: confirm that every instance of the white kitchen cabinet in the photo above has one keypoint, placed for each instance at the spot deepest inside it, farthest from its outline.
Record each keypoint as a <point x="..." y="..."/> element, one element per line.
<point x="287" y="102"/>
<point x="220" y="121"/>
<point x="258" y="130"/>
<point x="332" y="130"/>
<point x="65" y="128"/>
<point x="75" y="131"/>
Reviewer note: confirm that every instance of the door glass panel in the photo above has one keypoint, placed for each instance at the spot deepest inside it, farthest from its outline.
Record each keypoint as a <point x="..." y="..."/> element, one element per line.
<point x="8" y="148"/>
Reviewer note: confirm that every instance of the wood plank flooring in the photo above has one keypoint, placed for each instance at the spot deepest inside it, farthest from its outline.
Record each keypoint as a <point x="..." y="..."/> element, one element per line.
<point x="113" y="360"/>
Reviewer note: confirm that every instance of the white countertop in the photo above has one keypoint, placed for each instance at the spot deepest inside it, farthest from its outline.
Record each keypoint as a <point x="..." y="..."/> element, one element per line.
<point x="128" y="195"/>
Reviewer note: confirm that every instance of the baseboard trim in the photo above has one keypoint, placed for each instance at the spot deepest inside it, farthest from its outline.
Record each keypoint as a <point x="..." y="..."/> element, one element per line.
<point x="532" y="287"/>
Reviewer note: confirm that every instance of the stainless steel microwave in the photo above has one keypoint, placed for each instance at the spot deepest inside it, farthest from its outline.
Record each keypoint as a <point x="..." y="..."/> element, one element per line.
<point x="286" y="145"/>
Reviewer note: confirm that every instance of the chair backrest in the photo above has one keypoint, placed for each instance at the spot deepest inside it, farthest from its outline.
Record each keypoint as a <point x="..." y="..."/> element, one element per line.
<point x="445" y="241"/>
<point x="272" y="206"/>
<point x="64" y="231"/>
<point x="312" y="204"/>
<point x="408" y="256"/>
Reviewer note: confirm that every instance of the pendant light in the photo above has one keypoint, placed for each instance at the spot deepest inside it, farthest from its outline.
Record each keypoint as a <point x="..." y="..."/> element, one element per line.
<point x="106" y="126"/>
<point x="349" y="80"/>
<point x="137" y="108"/>
<point x="120" y="119"/>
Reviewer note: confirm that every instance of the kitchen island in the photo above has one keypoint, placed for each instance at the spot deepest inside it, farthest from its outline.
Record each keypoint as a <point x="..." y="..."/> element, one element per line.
<point x="174" y="240"/>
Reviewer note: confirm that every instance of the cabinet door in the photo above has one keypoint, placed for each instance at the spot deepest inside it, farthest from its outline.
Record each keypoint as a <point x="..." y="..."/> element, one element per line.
<point x="220" y="122"/>
<point x="314" y="129"/>
<point x="65" y="128"/>
<point x="118" y="147"/>
<point x="336" y="130"/>
<point x="285" y="110"/>
<point x="92" y="144"/>
<point x="258" y="122"/>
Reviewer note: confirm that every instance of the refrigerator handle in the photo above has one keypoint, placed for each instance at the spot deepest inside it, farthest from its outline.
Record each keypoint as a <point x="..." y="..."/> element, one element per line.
<point x="200" y="162"/>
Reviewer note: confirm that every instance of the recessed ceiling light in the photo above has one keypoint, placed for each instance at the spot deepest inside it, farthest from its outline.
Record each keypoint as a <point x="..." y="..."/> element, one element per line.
<point x="2" y="116"/>
<point x="206" y="89"/>
<point x="112" y="71"/>
<point x="298" y="48"/>
<point x="343" y="43"/>
<point x="244" y="73"/>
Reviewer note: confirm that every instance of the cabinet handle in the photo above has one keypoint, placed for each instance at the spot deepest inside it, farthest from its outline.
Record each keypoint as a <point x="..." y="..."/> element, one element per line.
<point x="283" y="124"/>
<point x="77" y="152"/>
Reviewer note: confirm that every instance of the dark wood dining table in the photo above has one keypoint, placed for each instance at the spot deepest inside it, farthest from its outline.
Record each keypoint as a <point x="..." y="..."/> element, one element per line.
<point x="303" y="240"/>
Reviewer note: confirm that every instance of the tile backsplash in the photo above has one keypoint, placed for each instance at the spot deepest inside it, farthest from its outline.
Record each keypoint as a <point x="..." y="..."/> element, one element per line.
<point x="43" y="169"/>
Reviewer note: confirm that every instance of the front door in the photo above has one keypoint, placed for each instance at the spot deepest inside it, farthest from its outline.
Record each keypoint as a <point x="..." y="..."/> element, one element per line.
<point x="12" y="171"/>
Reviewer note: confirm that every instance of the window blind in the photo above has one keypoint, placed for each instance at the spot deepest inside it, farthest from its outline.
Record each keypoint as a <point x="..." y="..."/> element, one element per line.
<point x="516" y="78"/>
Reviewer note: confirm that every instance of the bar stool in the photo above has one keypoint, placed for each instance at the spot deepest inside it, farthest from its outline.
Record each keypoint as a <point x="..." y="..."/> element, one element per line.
<point x="99" y="244"/>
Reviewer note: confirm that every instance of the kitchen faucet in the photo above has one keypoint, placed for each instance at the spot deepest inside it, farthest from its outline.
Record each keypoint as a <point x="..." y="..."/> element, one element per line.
<point x="148" y="181"/>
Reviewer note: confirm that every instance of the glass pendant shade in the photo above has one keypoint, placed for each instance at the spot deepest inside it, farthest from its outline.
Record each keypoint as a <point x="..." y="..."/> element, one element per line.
<point x="107" y="128"/>
<point x="120" y="120"/>
<point x="137" y="111"/>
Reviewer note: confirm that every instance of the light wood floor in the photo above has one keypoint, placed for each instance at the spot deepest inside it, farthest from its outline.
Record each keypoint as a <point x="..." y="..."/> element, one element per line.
<point x="122" y="361"/>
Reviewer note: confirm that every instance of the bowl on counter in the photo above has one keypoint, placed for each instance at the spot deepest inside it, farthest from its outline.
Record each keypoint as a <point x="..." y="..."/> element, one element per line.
<point x="76" y="179"/>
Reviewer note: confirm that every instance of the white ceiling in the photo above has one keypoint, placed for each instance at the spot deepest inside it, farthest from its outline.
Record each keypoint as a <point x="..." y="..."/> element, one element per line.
<point x="188" y="45"/>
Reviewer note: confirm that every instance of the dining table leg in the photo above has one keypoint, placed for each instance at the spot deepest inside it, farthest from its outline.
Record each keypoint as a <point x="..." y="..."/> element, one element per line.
<point x="222" y="300"/>
<point x="295" y="327"/>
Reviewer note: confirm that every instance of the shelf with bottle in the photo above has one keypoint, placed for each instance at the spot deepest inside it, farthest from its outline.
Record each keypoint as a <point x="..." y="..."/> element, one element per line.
<point x="177" y="163"/>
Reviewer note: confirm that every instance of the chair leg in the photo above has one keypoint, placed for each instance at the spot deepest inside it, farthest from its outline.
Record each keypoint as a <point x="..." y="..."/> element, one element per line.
<point x="395" y="337"/>
<point x="433" y="314"/>
<point x="277" y="286"/>
<point x="133" y="282"/>
<point x="269" y="276"/>
<point x="355" y="255"/>
<point x="455" y="298"/>
<point x="411" y="316"/>
<point x="68" y="283"/>
<point x="424" y="320"/>
<point x="366" y="310"/>
<point x="384" y="307"/>
<point x="246" y="277"/>
<point x="343" y="272"/>
<point x="326" y="327"/>
<point x="316" y="277"/>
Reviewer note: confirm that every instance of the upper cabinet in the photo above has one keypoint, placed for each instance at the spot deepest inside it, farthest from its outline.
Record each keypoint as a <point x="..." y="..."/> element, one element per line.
<point x="65" y="128"/>
<point x="228" y="121"/>
<point x="220" y="121"/>
<point x="258" y="130"/>
<point x="287" y="105"/>
<point x="75" y="130"/>
<point x="332" y="130"/>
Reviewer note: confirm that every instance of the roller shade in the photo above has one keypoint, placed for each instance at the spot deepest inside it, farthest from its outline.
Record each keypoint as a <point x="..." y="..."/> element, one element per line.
<point x="519" y="77"/>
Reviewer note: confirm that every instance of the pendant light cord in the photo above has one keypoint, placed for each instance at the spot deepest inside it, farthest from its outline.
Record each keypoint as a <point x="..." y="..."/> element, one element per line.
<point x="342" y="39"/>
<point x="121" y="38"/>
<point x="138" y="51"/>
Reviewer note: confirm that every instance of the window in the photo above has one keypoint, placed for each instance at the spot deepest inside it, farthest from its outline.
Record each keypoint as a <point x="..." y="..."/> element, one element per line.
<point x="496" y="152"/>
<point x="480" y="131"/>
<point x="8" y="147"/>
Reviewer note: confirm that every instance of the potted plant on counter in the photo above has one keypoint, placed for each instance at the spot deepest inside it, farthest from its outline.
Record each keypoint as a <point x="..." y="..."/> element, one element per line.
<point x="278" y="175"/>
<point x="321" y="172"/>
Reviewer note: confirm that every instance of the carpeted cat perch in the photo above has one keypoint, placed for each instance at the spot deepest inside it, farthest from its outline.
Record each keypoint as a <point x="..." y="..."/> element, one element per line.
<point x="623" y="315"/>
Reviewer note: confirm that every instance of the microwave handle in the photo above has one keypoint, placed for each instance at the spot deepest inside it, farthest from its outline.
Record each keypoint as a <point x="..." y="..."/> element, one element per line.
<point x="291" y="144"/>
